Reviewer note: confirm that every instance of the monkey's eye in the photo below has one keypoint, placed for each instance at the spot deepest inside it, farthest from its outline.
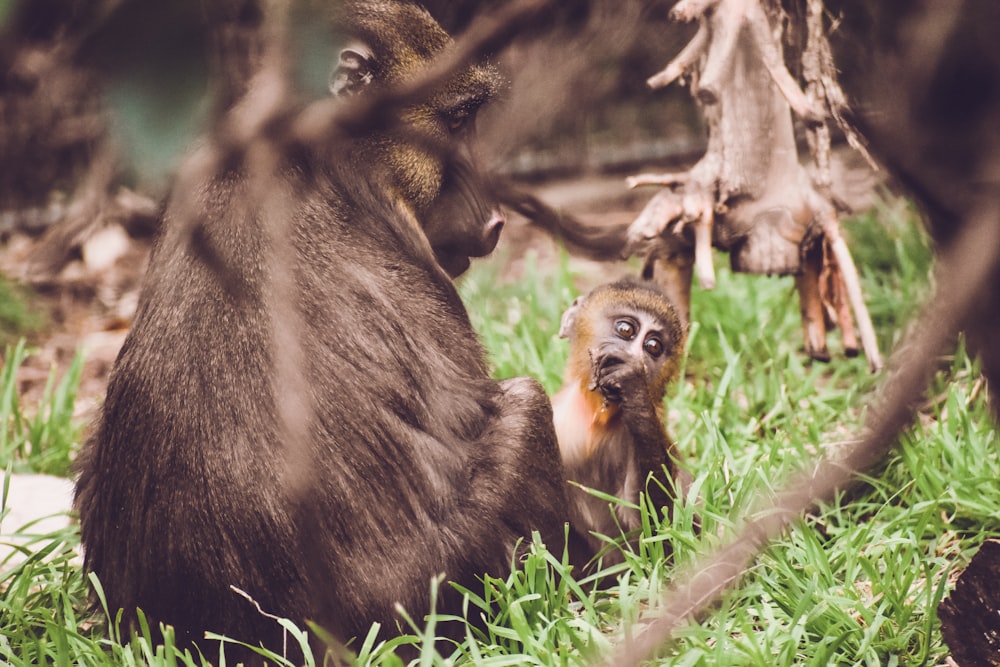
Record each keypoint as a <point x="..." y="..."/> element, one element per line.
<point x="458" y="120"/>
<point x="625" y="329"/>
<point x="653" y="346"/>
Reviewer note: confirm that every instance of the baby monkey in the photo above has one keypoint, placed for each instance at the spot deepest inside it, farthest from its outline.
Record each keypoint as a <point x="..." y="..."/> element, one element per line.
<point x="626" y="342"/>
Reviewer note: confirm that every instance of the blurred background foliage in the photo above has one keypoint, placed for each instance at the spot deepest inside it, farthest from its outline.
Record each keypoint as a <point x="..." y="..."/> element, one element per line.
<point x="150" y="75"/>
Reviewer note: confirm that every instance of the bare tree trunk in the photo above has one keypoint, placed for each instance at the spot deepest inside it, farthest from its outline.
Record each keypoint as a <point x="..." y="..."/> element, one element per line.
<point x="749" y="195"/>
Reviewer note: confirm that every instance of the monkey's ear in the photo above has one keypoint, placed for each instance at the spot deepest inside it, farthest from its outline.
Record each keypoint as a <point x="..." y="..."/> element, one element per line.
<point x="353" y="72"/>
<point x="568" y="322"/>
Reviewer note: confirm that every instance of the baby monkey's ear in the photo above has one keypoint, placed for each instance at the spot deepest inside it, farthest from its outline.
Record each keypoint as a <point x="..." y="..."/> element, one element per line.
<point x="568" y="322"/>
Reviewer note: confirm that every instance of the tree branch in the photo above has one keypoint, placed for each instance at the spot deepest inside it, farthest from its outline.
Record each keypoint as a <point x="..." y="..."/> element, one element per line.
<point x="670" y="180"/>
<point x="770" y="55"/>
<point x="685" y="59"/>
<point x="869" y="343"/>
<point x="688" y="10"/>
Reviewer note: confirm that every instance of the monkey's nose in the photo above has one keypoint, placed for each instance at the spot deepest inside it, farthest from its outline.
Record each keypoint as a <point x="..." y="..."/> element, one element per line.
<point x="491" y="232"/>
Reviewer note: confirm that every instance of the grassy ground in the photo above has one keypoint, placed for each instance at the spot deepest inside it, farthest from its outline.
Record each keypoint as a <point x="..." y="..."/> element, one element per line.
<point x="856" y="582"/>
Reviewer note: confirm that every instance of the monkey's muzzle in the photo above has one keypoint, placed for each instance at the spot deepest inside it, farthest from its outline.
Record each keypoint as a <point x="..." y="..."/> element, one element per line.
<point x="455" y="258"/>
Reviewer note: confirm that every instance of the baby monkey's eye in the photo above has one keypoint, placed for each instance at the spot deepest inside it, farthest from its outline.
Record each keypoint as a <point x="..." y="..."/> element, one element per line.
<point x="653" y="346"/>
<point x="625" y="329"/>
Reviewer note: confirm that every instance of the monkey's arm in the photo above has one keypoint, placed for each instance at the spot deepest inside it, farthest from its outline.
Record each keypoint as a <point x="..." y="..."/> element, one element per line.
<point x="525" y="466"/>
<point x="623" y="383"/>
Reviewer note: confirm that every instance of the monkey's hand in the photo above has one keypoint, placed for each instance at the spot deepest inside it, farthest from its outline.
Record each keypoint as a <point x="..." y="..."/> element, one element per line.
<point x="617" y="376"/>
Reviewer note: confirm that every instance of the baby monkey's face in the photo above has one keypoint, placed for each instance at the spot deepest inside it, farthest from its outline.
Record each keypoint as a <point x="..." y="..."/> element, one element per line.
<point x="638" y="339"/>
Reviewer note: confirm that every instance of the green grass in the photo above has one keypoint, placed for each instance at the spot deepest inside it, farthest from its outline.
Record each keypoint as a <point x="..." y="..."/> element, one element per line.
<point x="43" y="441"/>
<point x="855" y="582"/>
<point x="19" y="315"/>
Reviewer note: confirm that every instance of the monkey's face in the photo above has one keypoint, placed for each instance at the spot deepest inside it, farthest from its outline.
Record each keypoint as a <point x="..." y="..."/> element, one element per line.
<point x="463" y="218"/>
<point x="428" y="159"/>
<point x="639" y="340"/>
<point x="437" y="167"/>
<point x="628" y="327"/>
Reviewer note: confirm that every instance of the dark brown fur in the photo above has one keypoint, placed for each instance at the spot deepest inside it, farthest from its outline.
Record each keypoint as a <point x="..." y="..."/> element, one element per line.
<point x="420" y="463"/>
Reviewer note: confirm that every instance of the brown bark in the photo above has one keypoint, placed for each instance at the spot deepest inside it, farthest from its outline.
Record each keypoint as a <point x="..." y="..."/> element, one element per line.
<point x="970" y="615"/>
<point x="749" y="195"/>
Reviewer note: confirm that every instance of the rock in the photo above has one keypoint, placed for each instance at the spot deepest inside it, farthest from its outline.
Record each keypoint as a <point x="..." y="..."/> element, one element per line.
<point x="36" y="505"/>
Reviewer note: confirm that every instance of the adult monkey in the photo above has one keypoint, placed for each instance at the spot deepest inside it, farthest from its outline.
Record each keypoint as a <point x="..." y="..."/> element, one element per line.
<point x="421" y="464"/>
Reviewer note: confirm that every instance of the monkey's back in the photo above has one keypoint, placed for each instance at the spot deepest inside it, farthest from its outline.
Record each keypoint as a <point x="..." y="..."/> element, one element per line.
<point x="182" y="490"/>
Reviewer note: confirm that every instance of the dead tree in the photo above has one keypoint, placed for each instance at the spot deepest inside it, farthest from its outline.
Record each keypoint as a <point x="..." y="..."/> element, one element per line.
<point x="749" y="195"/>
